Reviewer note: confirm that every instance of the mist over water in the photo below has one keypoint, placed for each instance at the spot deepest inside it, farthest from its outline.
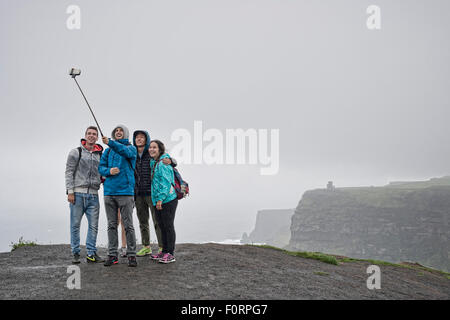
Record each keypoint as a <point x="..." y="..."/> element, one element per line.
<point x="354" y="106"/>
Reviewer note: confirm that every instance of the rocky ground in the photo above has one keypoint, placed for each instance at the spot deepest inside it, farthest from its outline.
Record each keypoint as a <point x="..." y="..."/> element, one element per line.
<point x="209" y="271"/>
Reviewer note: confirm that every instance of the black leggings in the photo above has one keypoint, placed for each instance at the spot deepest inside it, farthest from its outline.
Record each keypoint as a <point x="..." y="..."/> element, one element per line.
<point x="165" y="219"/>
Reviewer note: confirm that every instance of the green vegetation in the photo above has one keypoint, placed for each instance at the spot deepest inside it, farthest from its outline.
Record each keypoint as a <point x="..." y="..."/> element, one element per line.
<point x="385" y="263"/>
<point x="22" y="243"/>
<point x="337" y="260"/>
<point x="382" y="196"/>
<point x="321" y="273"/>
<point x="433" y="182"/>
<point x="308" y="255"/>
<point x="371" y="261"/>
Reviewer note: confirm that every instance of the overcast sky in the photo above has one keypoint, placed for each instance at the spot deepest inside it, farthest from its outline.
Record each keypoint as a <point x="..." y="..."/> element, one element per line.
<point x="352" y="105"/>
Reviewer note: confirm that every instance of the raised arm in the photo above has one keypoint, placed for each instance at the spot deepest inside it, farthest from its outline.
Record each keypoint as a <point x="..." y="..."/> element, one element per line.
<point x="128" y="152"/>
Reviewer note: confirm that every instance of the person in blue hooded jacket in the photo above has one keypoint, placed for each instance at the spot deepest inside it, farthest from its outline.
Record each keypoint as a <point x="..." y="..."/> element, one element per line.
<point x="164" y="198"/>
<point x="117" y="165"/>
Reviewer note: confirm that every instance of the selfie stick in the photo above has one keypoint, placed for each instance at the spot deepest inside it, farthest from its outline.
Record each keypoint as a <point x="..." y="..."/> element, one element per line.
<point x="76" y="72"/>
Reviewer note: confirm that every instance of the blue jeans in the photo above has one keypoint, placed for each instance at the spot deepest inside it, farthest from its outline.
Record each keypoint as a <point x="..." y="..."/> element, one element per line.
<point x="84" y="204"/>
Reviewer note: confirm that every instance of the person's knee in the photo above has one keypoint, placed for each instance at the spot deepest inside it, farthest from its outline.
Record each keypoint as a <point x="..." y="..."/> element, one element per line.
<point x="75" y="223"/>
<point x="112" y="225"/>
<point x="128" y="224"/>
<point x="93" y="227"/>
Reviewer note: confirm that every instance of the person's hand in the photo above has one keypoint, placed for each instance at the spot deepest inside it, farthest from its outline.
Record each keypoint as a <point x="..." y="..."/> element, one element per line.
<point x="159" y="205"/>
<point x="167" y="161"/>
<point x="71" y="198"/>
<point x="105" y="140"/>
<point x="114" y="171"/>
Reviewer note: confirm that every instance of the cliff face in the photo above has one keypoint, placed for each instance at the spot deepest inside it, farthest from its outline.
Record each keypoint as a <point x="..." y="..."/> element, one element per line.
<point x="398" y="222"/>
<point x="272" y="227"/>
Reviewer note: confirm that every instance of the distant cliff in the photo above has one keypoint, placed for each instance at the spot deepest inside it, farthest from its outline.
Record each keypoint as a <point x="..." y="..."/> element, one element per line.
<point x="272" y="227"/>
<point x="403" y="221"/>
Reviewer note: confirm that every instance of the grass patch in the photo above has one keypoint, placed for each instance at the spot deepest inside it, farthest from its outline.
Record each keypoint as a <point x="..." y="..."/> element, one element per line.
<point x="336" y="260"/>
<point x="22" y="243"/>
<point x="371" y="261"/>
<point x="446" y="274"/>
<point x="407" y="266"/>
<point x="308" y="255"/>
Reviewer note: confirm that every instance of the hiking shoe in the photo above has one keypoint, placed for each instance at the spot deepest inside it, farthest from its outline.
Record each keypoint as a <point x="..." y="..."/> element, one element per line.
<point x="132" y="261"/>
<point x="94" y="258"/>
<point x="76" y="258"/>
<point x="167" y="258"/>
<point x="111" y="260"/>
<point x="123" y="252"/>
<point x="157" y="256"/>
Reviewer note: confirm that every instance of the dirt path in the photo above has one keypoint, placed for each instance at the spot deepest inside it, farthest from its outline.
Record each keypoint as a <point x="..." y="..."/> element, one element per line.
<point x="208" y="271"/>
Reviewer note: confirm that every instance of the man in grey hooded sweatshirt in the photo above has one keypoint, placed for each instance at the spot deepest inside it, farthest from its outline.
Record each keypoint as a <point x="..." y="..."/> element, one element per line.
<point x="82" y="184"/>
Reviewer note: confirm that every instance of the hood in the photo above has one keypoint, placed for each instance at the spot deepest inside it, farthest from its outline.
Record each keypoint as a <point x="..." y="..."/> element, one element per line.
<point x="147" y="142"/>
<point x="126" y="133"/>
<point x="97" y="147"/>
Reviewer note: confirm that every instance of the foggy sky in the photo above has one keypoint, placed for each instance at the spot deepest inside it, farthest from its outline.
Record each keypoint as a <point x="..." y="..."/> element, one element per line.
<point x="352" y="105"/>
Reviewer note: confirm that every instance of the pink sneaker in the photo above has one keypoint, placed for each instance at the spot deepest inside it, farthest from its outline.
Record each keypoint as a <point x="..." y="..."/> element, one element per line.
<point x="167" y="258"/>
<point x="157" y="256"/>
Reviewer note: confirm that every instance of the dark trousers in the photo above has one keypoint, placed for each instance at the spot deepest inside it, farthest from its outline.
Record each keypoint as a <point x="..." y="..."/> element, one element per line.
<point x="143" y="203"/>
<point x="165" y="219"/>
<point x="125" y="204"/>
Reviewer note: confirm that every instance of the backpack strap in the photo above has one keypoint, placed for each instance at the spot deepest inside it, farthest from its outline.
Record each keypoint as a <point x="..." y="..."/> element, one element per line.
<point x="78" y="162"/>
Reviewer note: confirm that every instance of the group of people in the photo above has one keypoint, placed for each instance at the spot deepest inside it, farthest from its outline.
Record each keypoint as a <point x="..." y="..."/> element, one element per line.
<point x="133" y="175"/>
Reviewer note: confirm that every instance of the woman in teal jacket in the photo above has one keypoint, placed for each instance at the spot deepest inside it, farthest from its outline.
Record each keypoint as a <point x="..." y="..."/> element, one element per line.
<point x="164" y="198"/>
